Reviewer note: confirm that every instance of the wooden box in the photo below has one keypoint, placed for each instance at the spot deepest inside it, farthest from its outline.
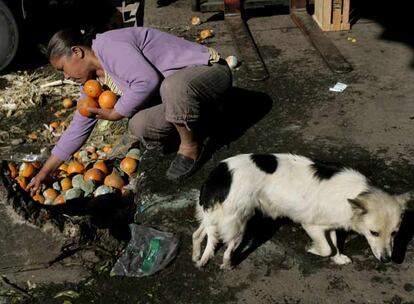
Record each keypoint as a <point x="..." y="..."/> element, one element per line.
<point x="332" y="15"/>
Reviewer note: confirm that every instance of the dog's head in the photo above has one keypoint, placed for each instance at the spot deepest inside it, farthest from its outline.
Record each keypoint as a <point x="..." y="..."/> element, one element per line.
<point x="377" y="215"/>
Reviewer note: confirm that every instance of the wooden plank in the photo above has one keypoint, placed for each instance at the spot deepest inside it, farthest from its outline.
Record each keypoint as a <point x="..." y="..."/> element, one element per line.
<point x="326" y="15"/>
<point x="329" y="52"/>
<point x="345" y="25"/>
<point x="319" y="14"/>
<point x="336" y="15"/>
<point x="246" y="48"/>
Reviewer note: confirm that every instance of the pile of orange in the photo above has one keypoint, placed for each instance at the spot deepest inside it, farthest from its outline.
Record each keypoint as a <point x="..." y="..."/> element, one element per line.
<point x="82" y="176"/>
<point x="96" y="97"/>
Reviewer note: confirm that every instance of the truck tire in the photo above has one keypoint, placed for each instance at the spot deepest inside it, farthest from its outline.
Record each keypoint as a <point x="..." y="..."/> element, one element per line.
<point x="9" y="36"/>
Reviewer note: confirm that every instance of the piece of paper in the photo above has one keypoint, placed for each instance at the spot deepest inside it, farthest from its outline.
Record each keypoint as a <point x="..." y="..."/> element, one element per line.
<point x="338" y="87"/>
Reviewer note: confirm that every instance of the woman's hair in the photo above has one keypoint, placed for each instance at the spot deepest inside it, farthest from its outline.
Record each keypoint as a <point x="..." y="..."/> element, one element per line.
<point x="61" y="42"/>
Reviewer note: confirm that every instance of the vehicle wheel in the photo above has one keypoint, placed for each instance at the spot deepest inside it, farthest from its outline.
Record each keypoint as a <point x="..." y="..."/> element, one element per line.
<point x="9" y="36"/>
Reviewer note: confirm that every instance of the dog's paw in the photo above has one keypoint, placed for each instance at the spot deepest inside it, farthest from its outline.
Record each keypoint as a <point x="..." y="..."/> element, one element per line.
<point x="226" y="266"/>
<point x="316" y="250"/>
<point x="341" y="259"/>
<point x="201" y="263"/>
<point x="196" y="257"/>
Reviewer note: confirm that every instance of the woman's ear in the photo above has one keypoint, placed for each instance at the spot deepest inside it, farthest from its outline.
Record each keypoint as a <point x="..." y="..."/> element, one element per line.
<point x="78" y="51"/>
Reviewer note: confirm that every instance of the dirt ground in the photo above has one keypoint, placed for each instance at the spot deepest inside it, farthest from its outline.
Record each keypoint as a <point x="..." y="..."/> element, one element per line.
<point x="367" y="127"/>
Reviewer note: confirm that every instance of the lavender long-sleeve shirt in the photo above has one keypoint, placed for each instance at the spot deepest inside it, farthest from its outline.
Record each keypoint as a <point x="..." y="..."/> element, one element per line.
<point x="137" y="59"/>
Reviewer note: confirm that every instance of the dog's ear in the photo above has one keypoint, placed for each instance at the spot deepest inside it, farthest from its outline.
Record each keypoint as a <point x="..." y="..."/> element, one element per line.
<point x="357" y="206"/>
<point x="406" y="200"/>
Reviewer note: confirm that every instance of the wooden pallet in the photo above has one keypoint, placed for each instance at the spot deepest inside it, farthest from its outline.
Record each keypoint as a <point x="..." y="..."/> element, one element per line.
<point x="332" y="15"/>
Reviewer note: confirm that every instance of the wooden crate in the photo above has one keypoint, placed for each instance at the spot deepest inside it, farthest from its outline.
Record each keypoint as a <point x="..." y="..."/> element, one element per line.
<point x="332" y="15"/>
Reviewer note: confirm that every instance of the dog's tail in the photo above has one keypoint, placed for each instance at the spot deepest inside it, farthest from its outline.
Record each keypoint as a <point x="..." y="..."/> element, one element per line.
<point x="217" y="186"/>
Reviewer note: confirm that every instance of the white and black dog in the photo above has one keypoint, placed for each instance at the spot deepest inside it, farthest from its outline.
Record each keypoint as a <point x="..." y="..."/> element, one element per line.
<point x="321" y="197"/>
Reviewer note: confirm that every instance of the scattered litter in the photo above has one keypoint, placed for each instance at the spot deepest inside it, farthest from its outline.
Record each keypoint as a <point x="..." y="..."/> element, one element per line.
<point x="148" y="252"/>
<point x="232" y="61"/>
<point x="57" y="83"/>
<point x="338" y="87"/>
<point x="195" y="21"/>
<point x="205" y="34"/>
<point x="352" y="39"/>
<point x="68" y="293"/>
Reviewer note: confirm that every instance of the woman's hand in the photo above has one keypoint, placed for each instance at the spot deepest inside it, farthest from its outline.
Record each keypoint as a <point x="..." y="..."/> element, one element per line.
<point x="50" y="165"/>
<point x="36" y="182"/>
<point x="107" y="114"/>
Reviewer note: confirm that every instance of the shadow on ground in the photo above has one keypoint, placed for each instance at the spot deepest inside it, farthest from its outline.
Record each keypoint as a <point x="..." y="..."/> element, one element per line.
<point x="240" y="110"/>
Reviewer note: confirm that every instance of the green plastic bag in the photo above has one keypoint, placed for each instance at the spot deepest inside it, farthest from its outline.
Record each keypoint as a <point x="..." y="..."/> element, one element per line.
<point x="148" y="251"/>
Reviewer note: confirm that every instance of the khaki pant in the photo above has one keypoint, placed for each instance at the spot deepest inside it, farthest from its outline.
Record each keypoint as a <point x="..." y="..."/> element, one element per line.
<point x="189" y="96"/>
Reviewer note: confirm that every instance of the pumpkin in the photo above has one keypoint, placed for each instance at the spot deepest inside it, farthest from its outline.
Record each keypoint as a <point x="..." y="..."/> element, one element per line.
<point x="92" y="88"/>
<point x="107" y="100"/>
<point x="84" y="104"/>
<point x="129" y="165"/>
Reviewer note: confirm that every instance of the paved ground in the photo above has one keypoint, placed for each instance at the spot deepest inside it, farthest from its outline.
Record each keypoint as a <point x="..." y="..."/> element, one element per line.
<point x="368" y="127"/>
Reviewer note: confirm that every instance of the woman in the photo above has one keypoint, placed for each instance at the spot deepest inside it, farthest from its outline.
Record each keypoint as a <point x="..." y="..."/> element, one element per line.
<point x="167" y="85"/>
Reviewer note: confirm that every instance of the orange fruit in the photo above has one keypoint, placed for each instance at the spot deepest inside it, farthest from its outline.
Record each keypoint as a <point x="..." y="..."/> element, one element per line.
<point x="84" y="104"/>
<point x="22" y="181"/>
<point x="129" y="165"/>
<point x="75" y="167"/>
<point x="114" y="180"/>
<point x="13" y="170"/>
<point x="66" y="183"/>
<point x="107" y="149"/>
<point x="67" y="103"/>
<point x="59" y="200"/>
<point x="36" y="164"/>
<point x="76" y="155"/>
<point x="54" y="125"/>
<point x="107" y="100"/>
<point x="94" y="174"/>
<point x="32" y="136"/>
<point x="38" y="198"/>
<point x="90" y="149"/>
<point x="92" y="88"/>
<point x="101" y="166"/>
<point x="63" y="167"/>
<point x="50" y="194"/>
<point x="26" y="170"/>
